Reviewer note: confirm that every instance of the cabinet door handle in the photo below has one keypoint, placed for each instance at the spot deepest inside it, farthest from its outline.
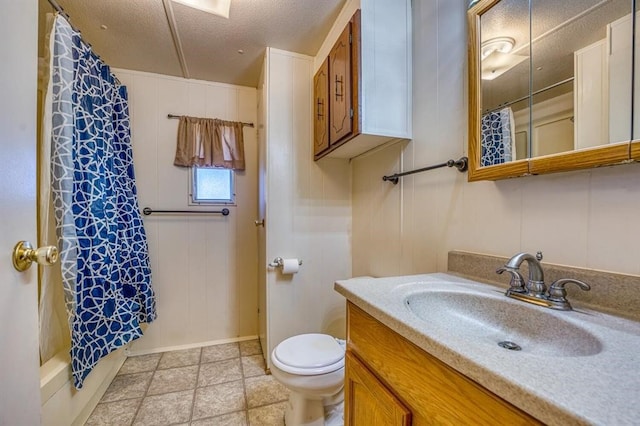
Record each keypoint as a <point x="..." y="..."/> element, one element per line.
<point x="319" y="108"/>
<point x="340" y="91"/>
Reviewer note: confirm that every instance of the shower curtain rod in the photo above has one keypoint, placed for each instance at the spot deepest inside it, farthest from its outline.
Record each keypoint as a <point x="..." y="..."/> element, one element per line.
<point x="177" y="116"/>
<point x="537" y="92"/>
<point x="61" y="11"/>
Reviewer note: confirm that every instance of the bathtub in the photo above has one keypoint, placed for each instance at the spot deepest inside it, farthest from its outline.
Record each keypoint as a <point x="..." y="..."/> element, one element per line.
<point x="61" y="403"/>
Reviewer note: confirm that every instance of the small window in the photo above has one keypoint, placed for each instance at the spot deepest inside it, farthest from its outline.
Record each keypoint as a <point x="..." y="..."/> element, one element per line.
<point x="212" y="186"/>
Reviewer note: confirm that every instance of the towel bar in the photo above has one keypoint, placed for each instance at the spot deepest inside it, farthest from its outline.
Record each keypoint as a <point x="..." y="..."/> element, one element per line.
<point x="462" y="164"/>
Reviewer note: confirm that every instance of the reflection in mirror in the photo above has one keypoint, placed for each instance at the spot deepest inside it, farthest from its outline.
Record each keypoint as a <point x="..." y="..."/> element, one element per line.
<point x="504" y="54"/>
<point x="580" y="66"/>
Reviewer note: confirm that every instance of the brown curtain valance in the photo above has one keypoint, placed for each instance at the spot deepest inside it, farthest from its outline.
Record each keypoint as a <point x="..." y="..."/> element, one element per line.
<point x="209" y="142"/>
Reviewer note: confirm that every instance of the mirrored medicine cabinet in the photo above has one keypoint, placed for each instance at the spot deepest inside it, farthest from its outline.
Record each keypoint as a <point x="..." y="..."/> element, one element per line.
<point x="551" y="86"/>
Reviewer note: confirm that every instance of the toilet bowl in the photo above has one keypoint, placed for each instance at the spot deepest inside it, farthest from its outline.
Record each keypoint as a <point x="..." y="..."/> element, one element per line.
<point x="311" y="366"/>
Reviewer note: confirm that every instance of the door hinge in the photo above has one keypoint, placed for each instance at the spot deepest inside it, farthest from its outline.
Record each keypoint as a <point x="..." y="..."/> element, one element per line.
<point x="350" y="38"/>
<point x="351" y="112"/>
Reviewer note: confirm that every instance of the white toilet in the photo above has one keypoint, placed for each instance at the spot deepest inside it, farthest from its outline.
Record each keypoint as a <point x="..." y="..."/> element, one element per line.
<point x="311" y="366"/>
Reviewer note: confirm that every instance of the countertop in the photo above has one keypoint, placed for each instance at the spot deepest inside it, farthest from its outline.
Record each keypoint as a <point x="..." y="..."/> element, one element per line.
<point x="601" y="388"/>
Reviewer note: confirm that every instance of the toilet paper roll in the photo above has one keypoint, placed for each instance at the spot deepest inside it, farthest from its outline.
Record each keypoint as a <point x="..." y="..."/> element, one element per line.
<point x="290" y="266"/>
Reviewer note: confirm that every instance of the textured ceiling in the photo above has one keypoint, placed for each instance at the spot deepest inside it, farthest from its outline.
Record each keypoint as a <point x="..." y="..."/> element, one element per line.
<point x="558" y="30"/>
<point x="138" y="34"/>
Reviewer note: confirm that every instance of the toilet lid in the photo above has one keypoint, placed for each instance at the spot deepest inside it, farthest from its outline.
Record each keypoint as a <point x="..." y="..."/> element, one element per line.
<point x="309" y="351"/>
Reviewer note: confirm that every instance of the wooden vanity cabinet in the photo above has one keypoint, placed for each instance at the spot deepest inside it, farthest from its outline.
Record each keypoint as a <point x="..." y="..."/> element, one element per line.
<point x="416" y="388"/>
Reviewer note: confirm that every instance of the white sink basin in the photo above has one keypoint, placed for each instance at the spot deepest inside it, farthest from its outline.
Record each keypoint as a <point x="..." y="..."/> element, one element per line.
<point x="575" y="367"/>
<point x="488" y="319"/>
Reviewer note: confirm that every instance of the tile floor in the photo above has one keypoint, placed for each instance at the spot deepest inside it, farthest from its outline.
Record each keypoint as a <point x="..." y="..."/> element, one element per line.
<point x="221" y="385"/>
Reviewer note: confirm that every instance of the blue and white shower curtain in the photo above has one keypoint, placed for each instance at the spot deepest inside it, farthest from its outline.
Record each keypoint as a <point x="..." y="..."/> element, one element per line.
<point x="103" y="248"/>
<point x="498" y="137"/>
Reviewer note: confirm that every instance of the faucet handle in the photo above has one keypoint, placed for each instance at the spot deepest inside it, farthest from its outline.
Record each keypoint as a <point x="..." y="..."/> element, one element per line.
<point x="517" y="280"/>
<point x="557" y="293"/>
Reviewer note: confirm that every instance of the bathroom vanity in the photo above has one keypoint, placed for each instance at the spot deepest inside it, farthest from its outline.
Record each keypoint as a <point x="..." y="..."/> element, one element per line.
<point x="433" y="392"/>
<point x="426" y="349"/>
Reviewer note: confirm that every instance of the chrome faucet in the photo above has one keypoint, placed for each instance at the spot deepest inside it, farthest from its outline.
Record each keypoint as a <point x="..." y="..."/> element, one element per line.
<point x="535" y="290"/>
<point x="535" y="284"/>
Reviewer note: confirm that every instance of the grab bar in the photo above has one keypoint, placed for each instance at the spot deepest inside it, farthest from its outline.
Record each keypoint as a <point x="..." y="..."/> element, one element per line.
<point x="462" y="164"/>
<point x="148" y="211"/>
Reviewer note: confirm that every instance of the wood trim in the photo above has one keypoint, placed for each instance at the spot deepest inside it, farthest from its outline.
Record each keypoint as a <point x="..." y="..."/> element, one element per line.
<point x="473" y="24"/>
<point x="356" y="76"/>
<point x="634" y="150"/>
<point x="476" y="172"/>
<point x="583" y="159"/>
<point x="575" y="160"/>
<point x="434" y="392"/>
<point x="482" y="6"/>
<point x="499" y="171"/>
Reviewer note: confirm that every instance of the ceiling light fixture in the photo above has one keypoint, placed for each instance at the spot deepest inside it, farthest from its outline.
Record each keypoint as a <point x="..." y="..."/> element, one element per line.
<point x="498" y="44"/>
<point x="216" y="7"/>
<point x="496" y="59"/>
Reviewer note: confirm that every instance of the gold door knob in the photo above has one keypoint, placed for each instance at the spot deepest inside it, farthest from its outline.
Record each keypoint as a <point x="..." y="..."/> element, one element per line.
<point x="24" y="255"/>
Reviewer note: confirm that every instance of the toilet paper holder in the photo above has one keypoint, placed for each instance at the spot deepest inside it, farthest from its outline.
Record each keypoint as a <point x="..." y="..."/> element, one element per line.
<point x="278" y="261"/>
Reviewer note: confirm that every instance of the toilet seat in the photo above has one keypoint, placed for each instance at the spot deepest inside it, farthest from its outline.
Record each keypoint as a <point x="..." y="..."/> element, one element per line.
<point x="309" y="354"/>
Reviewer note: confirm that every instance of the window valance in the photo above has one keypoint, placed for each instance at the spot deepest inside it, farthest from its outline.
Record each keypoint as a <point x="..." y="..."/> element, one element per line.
<point x="209" y="142"/>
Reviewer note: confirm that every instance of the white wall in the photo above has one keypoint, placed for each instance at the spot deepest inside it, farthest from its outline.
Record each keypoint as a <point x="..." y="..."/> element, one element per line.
<point x="585" y="219"/>
<point x="204" y="266"/>
<point x="308" y="209"/>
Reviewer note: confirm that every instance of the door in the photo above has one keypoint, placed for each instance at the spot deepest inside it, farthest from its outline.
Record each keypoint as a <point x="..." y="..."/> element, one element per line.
<point x="369" y="402"/>
<point x="19" y="361"/>
<point x="340" y="88"/>
<point x="321" y="109"/>
<point x="262" y="210"/>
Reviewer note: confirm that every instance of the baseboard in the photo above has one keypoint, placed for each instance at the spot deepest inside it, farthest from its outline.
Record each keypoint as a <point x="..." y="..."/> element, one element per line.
<point x="130" y="352"/>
